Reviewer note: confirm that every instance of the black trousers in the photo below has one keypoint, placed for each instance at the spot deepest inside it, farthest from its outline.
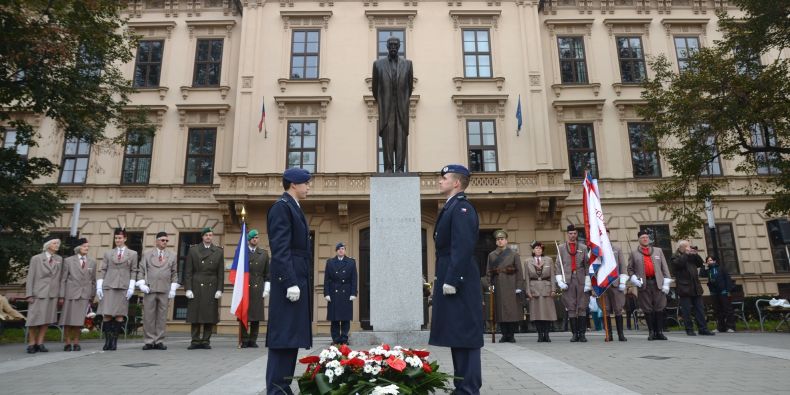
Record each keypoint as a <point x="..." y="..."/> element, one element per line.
<point x="281" y="363"/>
<point x="687" y="303"/>
<point x="725" y="319"/>
<point x="466" y="365"/>
<point x="207" y="329"/>
<point x="339" y="331"/>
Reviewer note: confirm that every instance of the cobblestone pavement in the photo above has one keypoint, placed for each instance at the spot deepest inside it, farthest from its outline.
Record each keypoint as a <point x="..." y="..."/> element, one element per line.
<point x="724" y="364"/>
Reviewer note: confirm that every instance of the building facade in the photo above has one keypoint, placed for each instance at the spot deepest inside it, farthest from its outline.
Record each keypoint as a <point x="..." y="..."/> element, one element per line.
<point x="205" y="70"/>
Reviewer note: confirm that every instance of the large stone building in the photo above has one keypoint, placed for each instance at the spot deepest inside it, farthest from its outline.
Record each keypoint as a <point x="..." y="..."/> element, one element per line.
<point x="206" y="68"/>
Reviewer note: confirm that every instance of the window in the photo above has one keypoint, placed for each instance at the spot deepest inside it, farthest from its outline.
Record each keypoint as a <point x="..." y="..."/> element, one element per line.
<point x="384" y="35"/>
<point x="208" y="62"/>
<point x="581" y="149"/>
<point x="482" y="145"/>
<point x="74" y="169"/>
<point x="644" y="154"/>
<point x="747" y="61"/>
<point x="684" y="48"/>
<point x="302" y="136"/>
<point x="727" y="249"/>
<point x="185" y="240"/>
<point x="200" y="156"/>
<point x="765" y="161"/>
<point x="632" y="60"/>
<point x="137" y="158"/>
<point x="304" y="54"/>
<point x="713" y="167"/>
<point x="779" y="236"/>
<point x="134" y="240"/>
<point x="573" y="68"/>
<point x="9" y="141"/>
<point x="89" y="64"/>
<point x="659" y="238"/>
<point x="148" y="66"/>
<point x="477" y="53"/>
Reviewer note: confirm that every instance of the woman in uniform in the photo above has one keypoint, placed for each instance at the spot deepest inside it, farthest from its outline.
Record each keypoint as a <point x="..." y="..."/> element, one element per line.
<point x="115" y="281"/>
<point x="539" y="272"/>
<point x="43" y="288"/>
<point x="77" y="289"/>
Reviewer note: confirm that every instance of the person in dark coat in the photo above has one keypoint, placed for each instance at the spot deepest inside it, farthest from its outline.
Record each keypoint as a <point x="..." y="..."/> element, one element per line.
<point x="204" y="280"/>
<point x="507" y="282"/>
<point x="687" y="262"/>
<point x="457" y="321"/>
<point x="720" y="285"/>
<point x="340" y="290"/>
<point x="259" y="289"/>
<point x="289" y="327"/>
<point x="393" y="83"/>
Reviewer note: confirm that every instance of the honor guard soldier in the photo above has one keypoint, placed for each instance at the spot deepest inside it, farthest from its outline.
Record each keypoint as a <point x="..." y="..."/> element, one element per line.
<point x="115" y="281"/>
<point x="290" y="302"/>
<point x="572" y="278"/>
<point x="204" y="280"/>
<point x="340" y="290"/>
<point x="259" y="288"/>
<point x="159" y="282"/>
<point x="507" y="280"/>
<point x="615" y="295"/>
<point x="539" y="273"/>
<point x="43" y="289"/>
<point x="649" y="272"/>
<point x="77" y="289"/>
<point x="457" y="320"/>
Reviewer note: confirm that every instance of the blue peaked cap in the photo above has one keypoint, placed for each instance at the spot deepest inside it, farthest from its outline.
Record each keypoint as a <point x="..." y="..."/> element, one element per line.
<point x="296" y="175"/>
<point x="460" y="169"/>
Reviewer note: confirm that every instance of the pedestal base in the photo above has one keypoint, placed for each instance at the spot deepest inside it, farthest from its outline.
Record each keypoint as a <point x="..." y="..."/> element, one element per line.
<point x="408" y="339"/>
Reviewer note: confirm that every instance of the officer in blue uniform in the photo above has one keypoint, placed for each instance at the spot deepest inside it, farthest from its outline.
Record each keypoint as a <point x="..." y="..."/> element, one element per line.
<point x="340" y="290"/>
<point x="457" y="301"/>
<point x="290" y="307"/>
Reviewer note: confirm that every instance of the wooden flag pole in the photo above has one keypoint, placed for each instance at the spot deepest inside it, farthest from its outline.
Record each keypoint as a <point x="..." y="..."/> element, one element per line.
<point x="605" y="316"/>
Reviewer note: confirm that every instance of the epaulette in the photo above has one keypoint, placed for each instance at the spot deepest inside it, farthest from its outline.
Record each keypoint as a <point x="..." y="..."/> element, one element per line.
<point x="462" y="197"/>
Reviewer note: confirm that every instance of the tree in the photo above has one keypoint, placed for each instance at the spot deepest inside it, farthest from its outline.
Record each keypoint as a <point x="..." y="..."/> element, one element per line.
<point x="58" y="59"/>
<point x="725" y="105"/>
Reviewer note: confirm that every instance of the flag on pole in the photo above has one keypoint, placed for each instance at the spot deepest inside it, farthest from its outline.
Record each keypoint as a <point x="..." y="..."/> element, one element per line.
<point x="240" y="278"/>
<point x="603" y="267"/>
<point x="262" y="122"/>
<point x="518" y="116"/>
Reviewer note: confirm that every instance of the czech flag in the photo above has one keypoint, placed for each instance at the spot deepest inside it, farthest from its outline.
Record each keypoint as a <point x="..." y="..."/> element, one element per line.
<point x="240" y="278"/>
<point x="603" y="267"/>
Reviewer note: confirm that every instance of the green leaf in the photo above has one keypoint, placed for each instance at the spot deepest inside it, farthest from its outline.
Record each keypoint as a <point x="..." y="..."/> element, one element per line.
<point x="324" y="387"/>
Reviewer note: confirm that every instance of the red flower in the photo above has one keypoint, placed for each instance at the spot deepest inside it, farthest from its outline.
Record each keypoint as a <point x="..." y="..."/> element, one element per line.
<point x="345" y="350"/>
<point x="377" y="358"/>
<point x="426" y="368"/>
<point x="386" y="347"/>
<point x="354" y="362"/>
<point x="310" y="359"/>
<point x="315" y="372"/>
<point x="421" y="353"/>
<point x="396" y="363"/>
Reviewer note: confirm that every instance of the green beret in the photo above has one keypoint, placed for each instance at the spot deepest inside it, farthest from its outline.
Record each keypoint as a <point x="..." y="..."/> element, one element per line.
<point x="252" y="234"/>
<point x="206" y="230"/>
<point x="500" y="233"/>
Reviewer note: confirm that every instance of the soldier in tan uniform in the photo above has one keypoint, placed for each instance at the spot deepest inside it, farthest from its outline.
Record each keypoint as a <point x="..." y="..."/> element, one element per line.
<point x="158" y="280"/>
<point x="77" y="289"/>
<point x="504" y="271"/>
<point x="204" y="280"/>
<point x="259" y="287"/>
<point x="615" y="295"/>
<point x="539" y="273"/>
<point x="571" y="276"/>
<point x="649" y="272"/>
<point x="115" y="280"/>
<point x="42" y="291"/>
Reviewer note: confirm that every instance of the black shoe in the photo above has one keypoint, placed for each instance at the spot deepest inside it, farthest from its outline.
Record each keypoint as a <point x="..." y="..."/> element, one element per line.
<point x="690" y="332"/>
<point x="618" y="319"/>
<point x="193" y="346"/>
<point x="160" y="346"/>
<point x="243" y="345"/>
<point x="68" y="347"/>
<point x="252" y="345"/>
<point x="573" y="323"/>
<point x="582" y="327"/>
<point x="706" y="333"/>
<point x="41" y="348"/>
<point x="546" y="338"/>
<point x="148" y="346"/>
<point x="32" y="349"/>
<point x="206" y="346"/>
<point x="76" y="348"/>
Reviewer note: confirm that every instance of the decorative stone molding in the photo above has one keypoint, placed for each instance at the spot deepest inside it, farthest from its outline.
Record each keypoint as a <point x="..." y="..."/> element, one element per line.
<point x="664" y="6"/>
<point x="569" y="26"/>
<point x="210" y="27"/>
<point x="342" y="214"/>
<point x="246" y="82"/>
<point x="302" y="19"/>
<point x="158" y="112"/>
<point x="586" y="109"/>
<point x="633" y="26"/>
<point x="475" y="18"/>
<point x="289" y="106"/>
<point x="162" y="29"/>
<point x="497" y="82"/>
<point x="369" y="83"/>
<point x="202" y="114"/>
<point x="607" y="6"/>
<point x="317" y="82"/>
<point x="373" y="110"/>
<point x="685" y="26"/>
<point x="391" y="18"/>
<point x="627" y="109"/>
<point x="161" y="90"/>
<point x="594" y="87"/>
<point x="222" y="89"/>
<point x="642" y="6"/>
<point x="619" y="86"/>
<point x="468" y="105"/>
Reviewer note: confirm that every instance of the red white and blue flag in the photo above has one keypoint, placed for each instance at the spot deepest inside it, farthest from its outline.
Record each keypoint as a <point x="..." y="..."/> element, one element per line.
<point x="603" y="267"/>
<point x="240" y="278"/>
<point x="262" y="122"/>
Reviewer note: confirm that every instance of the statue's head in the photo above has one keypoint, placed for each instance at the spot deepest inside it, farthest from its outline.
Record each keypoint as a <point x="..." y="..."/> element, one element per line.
<point x="393" y="45"/>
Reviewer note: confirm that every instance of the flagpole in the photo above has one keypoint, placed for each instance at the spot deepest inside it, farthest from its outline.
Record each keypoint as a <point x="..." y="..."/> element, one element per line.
<point x="605" y="316"/>
<point x="243" y="221"/>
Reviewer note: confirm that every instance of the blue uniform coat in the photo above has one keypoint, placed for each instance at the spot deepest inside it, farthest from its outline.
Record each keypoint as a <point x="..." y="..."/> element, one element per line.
<point x="340" y="283"/>
<point x="290" y="323"/>
<point x="457" y="319"/>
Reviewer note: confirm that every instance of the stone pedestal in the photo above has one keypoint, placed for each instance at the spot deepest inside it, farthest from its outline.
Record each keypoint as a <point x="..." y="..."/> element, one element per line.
<point x="396" y="311"/>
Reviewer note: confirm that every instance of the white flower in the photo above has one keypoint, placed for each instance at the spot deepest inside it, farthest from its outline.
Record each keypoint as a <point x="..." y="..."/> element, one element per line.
<point x="352" y="354"/>
<point x="414" y="362"/>
<point x="338" y="371"/>
<point x="391" y="389"/>
<point x="376" y="370"/>
<point x="368" y="368"/>
<point x="333" y="364"/>
<point x="330" y="374"/>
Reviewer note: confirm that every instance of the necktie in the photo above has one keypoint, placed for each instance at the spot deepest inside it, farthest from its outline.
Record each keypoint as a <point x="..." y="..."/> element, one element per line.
<point x="50" y="260"/>
<point x="538" y="261"/>
<point x="161" y="258"/>
<point x="82" y="262"/>
<point x="573" y="257"/>
<point x="120" y="254"/>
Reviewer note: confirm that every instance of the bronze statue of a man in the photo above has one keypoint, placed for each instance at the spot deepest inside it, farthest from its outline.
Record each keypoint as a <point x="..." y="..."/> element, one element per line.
<point x="392" y="87"/>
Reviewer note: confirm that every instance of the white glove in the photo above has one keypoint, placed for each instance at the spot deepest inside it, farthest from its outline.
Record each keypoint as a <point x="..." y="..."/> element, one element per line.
<point x="665" y="287"/>
<point x="587" y="284"/>
<point x="623" y="279"/>
<point x="217" y="294"/>
<point x="448" y="289"/>
<point x="352" y="298"/>
<point x="635" y="281"/>
<point x="518" y="291"/>
<point x="173" y="288"/>
<point x="130" y="291"/>
<point x="99" y="291"/>
<point x="267" y="287"/>
<point x="328" y="298"/>
<point x="189" y="294"/>
<point x="561" y="283"/>
<point x="292" y="293"/>
<point x="145" y="289"/>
